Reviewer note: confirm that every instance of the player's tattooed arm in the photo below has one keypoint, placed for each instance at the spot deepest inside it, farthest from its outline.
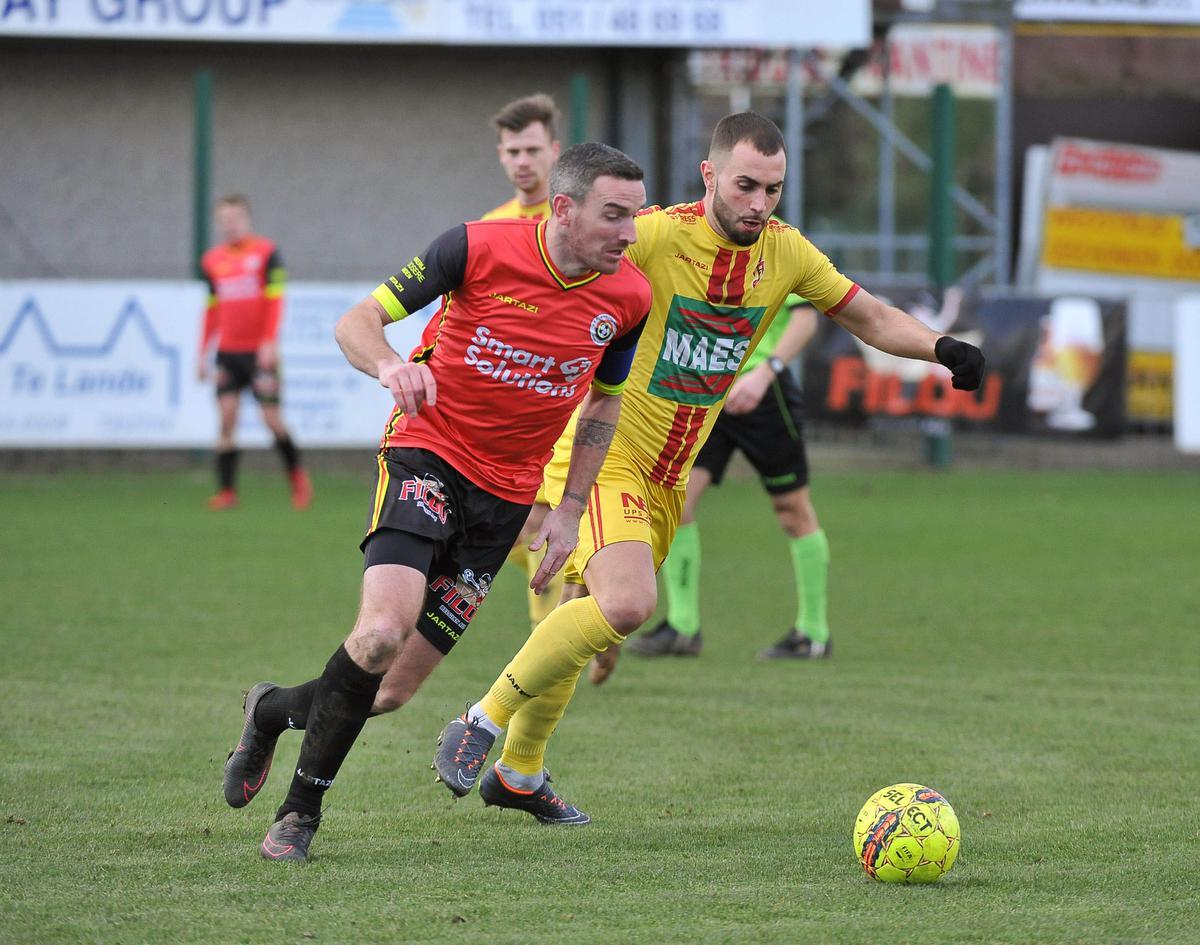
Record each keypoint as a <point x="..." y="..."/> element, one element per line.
<point x="594" y="431"/>
<point x="591" y="432"/>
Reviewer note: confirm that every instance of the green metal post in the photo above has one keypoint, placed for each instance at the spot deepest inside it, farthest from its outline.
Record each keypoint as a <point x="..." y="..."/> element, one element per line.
<point x="942" y="263"/>
<point x="579" y="107"/>
<point x="201" y="167"/>
<point x="941" y="184"/>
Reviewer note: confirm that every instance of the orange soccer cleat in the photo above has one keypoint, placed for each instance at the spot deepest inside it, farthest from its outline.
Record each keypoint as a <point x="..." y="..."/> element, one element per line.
<point x="302" y="490"/>
<point x="225" y="499"/>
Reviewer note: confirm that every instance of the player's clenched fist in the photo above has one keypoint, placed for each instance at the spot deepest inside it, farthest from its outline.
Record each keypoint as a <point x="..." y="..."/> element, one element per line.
<point x="411" y="383"/>
<point x="965" y="362"/>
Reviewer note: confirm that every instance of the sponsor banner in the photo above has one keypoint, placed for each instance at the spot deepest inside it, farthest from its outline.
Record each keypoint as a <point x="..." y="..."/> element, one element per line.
<point x="1150" y="389"/>
<point x="1054" y="366"/>
<point x="1115" y="220"/>
<point x="1110" y="11"/>
<point x="921" y="57"/>
<point x="685" y="23"/>
<point x="1087" y="173"/>
<point x="1163" y="246"/>
<point x="114" y="364"/>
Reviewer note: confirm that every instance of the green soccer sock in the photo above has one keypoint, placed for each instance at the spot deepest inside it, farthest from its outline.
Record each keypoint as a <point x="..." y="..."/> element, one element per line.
<point x="681" y="572"/>
<point x="810" y="562"/>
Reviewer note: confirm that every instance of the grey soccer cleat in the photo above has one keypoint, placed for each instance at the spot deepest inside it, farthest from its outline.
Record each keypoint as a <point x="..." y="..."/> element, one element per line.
<point x="463" y="747"/>
<point x="289" y="837"/>
<point x="798" y="645"/>
<point x="543" y="803"/>
<point x="247" y="766"/>
<point x="665" y="640"/>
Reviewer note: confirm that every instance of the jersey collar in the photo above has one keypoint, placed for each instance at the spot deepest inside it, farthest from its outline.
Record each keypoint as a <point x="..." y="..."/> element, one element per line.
<point x="562" y="280"/>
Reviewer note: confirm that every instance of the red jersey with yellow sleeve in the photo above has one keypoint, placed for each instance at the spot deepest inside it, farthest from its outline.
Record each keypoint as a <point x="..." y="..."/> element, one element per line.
<point x="713" y="300"/>
<point x="514" y="210"/>
<point x="518" y="346"/>
<point x="245" y="294"/>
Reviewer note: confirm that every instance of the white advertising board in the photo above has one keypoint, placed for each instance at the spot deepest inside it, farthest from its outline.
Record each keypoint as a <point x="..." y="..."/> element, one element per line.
<point x="114" y="364"/>
<point x="1187" y="374"/>
<point x="1110" y="11"/>
<point x="457" y="22"/>
<point x="920" y="57"/>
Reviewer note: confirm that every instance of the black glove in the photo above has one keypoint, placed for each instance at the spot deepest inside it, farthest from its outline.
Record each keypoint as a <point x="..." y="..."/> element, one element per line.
<point x="964" y="361"/>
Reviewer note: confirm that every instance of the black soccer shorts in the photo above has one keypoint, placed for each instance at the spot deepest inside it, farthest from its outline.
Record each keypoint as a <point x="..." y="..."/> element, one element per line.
<point x="419" y="498"/>
<point x="237" y="370"/>
<point x="771" y="436"/>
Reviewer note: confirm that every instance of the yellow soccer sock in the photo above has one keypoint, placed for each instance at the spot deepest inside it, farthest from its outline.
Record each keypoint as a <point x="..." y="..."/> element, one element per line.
<point x="541" y="604"/>
<point x="532" y="726"/>
<point x="556" y="651"/>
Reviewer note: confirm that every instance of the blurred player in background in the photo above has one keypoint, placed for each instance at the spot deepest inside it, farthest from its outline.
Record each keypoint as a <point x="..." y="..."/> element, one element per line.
<point x="762" y="417"/>
<point x="721" y="268"/>
<point x="527" y="143"/>
<point x="540" y="317"/>
<point x="245" y="277"/>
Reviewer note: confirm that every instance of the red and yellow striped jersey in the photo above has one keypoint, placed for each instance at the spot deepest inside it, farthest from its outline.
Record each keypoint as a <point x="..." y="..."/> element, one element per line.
<point x="713" y="300"/>
<point x="245" y="294"/>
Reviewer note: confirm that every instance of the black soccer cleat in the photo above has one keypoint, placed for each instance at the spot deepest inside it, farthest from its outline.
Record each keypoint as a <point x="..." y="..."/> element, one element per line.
<point x="665" y="640"/>
<point x="543" y="803"/>
<point x="247" y="766"/>
<point x="463" y="747"/>
<point x="289" y="837"/>
<point x="798" y="646"/>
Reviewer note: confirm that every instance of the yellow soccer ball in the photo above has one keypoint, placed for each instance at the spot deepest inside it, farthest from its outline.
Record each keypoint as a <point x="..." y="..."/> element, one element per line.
<point x="906" y="833"/>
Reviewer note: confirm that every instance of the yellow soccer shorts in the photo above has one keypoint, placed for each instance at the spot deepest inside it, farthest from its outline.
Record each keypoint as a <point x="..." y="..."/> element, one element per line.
<point x="624" y="505"/>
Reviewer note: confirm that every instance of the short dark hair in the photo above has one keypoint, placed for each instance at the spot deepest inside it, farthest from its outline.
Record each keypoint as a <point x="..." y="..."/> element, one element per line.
<point x="580" y="165"/>
<point x="520" y="113"/>
<point x="234" y="200"/>
<point x="757" y="129"/>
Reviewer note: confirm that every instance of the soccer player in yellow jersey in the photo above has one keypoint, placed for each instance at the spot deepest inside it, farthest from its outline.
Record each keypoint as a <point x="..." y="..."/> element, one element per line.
<point x="527" y="143"/>
<point x="720" y="269"/>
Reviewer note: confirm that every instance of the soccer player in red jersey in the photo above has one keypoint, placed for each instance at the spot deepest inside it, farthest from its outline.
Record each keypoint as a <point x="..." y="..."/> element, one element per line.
<point x="527" y="145"/>
<point x="540" y="318"/>
<point x="245" y="277"/>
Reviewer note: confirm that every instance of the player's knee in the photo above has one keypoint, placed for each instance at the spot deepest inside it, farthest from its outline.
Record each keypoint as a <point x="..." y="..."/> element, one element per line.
<point x="795" y="513"/>
<point x="378" y="641"/>
<point x="627" y="612"/>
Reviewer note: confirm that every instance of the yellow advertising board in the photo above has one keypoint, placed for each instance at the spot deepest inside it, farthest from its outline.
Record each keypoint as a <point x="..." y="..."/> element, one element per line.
<point x="1149" y="387"/>
<point x="1120" y="241"/>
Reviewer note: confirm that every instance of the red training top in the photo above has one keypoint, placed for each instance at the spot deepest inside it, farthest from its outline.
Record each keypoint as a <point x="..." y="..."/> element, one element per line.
<point x="245" y="294"/>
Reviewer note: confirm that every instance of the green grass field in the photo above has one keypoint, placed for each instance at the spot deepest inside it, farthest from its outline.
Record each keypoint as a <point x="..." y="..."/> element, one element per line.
<point x="1026" y="643"/>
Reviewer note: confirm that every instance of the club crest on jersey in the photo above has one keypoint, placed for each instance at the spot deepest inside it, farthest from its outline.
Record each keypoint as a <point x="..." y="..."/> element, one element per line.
<point x="759" y="271"/>
<point x="604" y="328"/>
<point x="428" y="495"/>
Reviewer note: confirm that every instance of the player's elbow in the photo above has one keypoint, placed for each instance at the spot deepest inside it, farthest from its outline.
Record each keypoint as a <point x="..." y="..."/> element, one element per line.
<point x="350" y="325"/>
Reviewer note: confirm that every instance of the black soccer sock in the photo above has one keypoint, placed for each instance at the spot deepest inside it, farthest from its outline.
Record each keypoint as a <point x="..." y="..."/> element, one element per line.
<point x="284" y="708"/>
<point x="343" y="699"/>
<point x="227" y="461"/>
<point x="287" y="449"/>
